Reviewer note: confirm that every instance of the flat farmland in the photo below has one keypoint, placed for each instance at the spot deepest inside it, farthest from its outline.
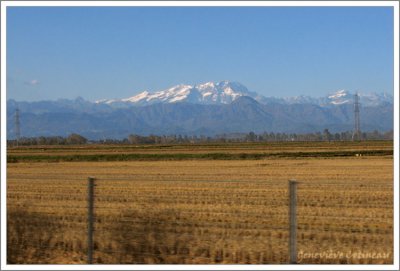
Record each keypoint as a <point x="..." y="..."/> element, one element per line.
<point x="193" y="210"/>
<point x="379" y="147"/>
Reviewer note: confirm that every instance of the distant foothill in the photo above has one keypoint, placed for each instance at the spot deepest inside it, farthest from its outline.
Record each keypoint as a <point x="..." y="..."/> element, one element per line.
<point x="208" y="109"/>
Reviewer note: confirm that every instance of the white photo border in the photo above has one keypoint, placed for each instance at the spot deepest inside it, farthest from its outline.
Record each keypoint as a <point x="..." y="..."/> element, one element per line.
<point x="5" y="4"/>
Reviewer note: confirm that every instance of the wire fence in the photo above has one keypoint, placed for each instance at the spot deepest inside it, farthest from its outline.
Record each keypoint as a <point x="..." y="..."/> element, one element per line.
<point x="133" y="221"/>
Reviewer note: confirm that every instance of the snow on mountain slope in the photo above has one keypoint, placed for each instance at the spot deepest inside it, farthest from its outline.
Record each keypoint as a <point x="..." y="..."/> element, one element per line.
<point x="340" y="97"/>
<point x="208" y="93"/>
<point x="366" y="99"/>
<point x="226" y="92"/>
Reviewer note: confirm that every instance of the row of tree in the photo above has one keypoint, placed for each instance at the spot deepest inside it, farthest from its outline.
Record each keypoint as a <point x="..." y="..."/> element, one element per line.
<point x="72" y="139"/>
<point x="76" y="139"/>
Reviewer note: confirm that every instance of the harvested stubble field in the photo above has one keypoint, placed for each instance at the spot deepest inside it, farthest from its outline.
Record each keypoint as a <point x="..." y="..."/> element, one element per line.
<point x="198" y="210"/>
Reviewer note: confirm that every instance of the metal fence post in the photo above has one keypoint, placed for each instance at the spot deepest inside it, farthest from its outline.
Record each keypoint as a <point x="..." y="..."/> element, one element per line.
<point x="90" y="219"/>
<point x="292" y="222"/>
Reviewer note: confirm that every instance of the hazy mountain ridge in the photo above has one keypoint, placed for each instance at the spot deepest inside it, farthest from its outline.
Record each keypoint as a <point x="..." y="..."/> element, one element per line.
<point x="243" y="114"/>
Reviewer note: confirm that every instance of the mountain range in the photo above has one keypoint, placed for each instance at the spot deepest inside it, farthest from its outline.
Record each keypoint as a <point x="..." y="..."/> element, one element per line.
<point x="226" y="92"/>
<point x="203" y="109"/>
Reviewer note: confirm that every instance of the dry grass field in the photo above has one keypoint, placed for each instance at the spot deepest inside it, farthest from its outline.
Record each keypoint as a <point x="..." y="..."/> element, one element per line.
<point x="202" y="211"/>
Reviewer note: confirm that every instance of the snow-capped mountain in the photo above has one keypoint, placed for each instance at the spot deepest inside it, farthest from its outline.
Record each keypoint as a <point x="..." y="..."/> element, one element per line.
<point x="340" y="97"/>
<point x="223" y="92"/>
<point x="366" y="99"/>
<point x="226" y="92"/>
<point x="204" y="109"/>
<point x="335" y="98"/>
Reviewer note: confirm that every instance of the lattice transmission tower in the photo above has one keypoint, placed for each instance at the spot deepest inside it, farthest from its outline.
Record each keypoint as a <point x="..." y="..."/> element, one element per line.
<point x="17" y="126"/>
<point x="357" y="130"/>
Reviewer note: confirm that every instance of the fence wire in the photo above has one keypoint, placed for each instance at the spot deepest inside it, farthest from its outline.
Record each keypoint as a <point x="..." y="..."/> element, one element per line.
<point x="155" y="221"/>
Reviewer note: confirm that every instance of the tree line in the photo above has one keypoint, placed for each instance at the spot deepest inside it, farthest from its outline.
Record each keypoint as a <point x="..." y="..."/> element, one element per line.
<point x="325" y="135"/>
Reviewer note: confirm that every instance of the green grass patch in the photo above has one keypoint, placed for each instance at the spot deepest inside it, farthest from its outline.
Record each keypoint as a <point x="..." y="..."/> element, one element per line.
<point x="189" y="156"/>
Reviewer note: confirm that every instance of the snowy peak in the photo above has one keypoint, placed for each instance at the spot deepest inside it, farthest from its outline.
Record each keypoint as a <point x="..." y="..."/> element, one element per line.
<point x="137" y="98"/>
<point x="223" y="92"/>
<point x="340" y="97"/>
<point x="338" y="94"/>
<point x="366" y="99"/>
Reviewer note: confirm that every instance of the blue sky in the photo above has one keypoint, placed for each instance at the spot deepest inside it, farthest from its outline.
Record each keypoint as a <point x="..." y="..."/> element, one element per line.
<point x="110" y="52"/>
